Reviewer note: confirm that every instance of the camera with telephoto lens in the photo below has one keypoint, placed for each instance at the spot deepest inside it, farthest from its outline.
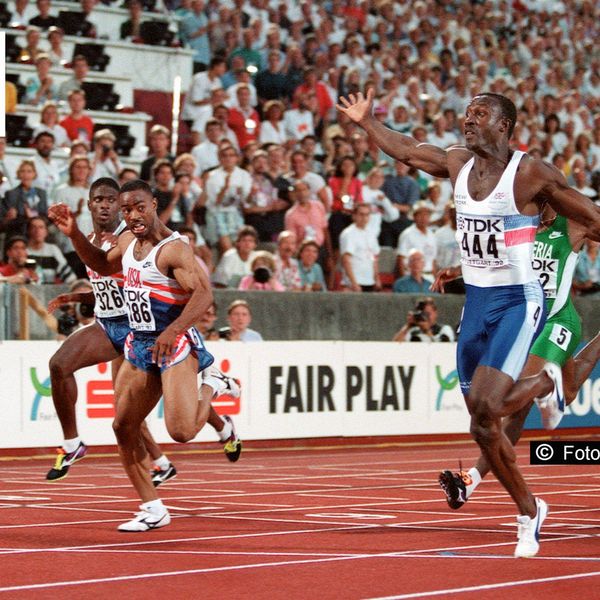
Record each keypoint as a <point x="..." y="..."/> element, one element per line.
<point x="418" y="316"/>
<point x="66" y="320"/>
<point x="224" y="333"/>
<point x="106" y="149"/>
<point x="262" y="275"/>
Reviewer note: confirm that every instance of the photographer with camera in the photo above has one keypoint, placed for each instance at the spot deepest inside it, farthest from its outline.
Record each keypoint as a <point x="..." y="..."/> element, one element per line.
<point x="105" y="161"/>
<point x="76" y="308"/>
<point x="17" y="266"/>
<point x="263" y="274"/>
<point x="422" y="326"/>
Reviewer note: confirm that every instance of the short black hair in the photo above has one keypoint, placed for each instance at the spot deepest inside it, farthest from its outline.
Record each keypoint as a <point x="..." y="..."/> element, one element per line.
<point x="108" y="181"/>
<point x="507" y="109"/>
<point x="136" y="184"/>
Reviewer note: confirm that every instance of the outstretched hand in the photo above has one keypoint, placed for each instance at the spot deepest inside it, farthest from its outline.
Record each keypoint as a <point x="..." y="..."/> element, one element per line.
<point x="61" y="299"/>
<point x="358" y="108"/>
<point x="443" y="277"/>
<point x="61" y="216"/>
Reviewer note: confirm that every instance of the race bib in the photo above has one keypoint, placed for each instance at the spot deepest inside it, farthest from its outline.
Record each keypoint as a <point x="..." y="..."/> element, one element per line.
<point x="109" y="298"/>
<point x="139" y="309"/>
<point x="481" y="241"/>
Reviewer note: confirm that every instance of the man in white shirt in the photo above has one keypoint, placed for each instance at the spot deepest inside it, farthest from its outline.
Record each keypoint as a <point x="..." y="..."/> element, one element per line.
<point x="48" y="170"/>
<point x="359" y="250"/>
<point x="206" y="154"/>
<point x="299" y="122"/>
<point x="419" y="236"/>
<point x="235" y="263"/>
<point x="201" y="87"/>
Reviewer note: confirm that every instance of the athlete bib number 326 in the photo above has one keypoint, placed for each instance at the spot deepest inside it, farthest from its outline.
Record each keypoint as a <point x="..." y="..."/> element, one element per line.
<point x="139" y="310"/>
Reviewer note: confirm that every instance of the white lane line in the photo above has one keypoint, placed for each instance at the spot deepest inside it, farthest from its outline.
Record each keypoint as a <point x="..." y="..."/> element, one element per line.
<point x="488" y="586"/>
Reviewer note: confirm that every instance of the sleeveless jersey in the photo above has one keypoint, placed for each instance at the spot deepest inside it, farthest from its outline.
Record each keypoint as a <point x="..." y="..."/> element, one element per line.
<point x="495" y="239"/>
<point x="554" y="263"/>
<point x="153" y="300"/>
<point x="108" y="290"/>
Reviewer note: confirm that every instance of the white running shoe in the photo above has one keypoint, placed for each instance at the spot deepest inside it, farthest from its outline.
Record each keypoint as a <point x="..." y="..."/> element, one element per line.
<point x="528" y="534"/>
<point x="552" y="406"/>
<point x="221" y="383"/>
<point x="145" y="521"/>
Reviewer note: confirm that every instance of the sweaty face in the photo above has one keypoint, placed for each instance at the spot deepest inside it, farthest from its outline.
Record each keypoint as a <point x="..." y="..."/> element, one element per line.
<point x="482" y="121"/>
<point x="139" y="211"/>
<point x="104" y="206"/>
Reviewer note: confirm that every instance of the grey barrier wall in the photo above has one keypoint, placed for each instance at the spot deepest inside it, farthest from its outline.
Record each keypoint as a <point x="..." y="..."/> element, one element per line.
<point x="297" y="316"/>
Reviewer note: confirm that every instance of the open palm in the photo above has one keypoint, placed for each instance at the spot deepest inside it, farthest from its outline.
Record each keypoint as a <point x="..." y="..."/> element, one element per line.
<point x="357" y="107"/>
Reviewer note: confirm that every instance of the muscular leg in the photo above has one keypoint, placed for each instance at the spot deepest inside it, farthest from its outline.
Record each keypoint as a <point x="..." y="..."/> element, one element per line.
<point x="137" y="393"/>
<point x="585" y="361"/>
<point x="489" y="388"/>
<point x="186" y="408"/>
<point x="84" y="348"/>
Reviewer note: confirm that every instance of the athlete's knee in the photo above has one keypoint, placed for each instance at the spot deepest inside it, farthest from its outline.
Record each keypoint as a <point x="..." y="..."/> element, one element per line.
<point x="126" y="432"/>
<point x="59" y="367"/>
<point x="182" y="433"/>
<point x="484" y="428"/>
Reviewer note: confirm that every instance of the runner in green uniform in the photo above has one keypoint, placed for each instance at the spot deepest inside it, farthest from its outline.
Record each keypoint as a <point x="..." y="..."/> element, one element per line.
<point x="557" y="244"/>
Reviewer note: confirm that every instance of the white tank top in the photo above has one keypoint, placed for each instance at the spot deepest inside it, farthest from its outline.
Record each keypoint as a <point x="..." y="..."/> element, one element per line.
<point x="495" y="239"/>
<point x="153" y="300"/>
<point x="108" y="291"/>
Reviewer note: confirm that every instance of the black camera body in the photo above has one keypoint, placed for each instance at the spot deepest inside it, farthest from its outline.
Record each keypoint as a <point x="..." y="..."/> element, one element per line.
<point x="67" y="322"/>
<point x="419" y="316"/>
<point x="262" y="275"/>
<point x="224" y="333"/>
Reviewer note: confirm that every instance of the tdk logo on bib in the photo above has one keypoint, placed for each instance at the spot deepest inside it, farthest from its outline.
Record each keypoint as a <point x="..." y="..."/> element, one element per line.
<point x="475" y="225"/>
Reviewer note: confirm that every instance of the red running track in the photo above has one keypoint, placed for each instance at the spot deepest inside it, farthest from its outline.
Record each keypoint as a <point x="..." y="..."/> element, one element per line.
<point x="327" y="523"/>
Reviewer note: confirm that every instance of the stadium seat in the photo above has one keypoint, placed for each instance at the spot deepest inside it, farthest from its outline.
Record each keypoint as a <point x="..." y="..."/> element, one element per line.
<point x="18" y="133"/>
<point x="97" y="59"/>
<point x="100" y="96"/>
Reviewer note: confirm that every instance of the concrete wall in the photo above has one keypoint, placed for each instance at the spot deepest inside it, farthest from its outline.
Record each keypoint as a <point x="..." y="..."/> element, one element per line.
<point x="302" y="316"/>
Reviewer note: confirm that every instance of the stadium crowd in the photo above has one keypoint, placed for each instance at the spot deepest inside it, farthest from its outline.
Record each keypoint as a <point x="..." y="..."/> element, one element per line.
<point x="276" y="188"/>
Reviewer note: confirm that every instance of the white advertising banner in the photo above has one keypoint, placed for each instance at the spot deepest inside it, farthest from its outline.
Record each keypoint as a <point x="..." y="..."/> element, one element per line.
<point x="289" y="390"/>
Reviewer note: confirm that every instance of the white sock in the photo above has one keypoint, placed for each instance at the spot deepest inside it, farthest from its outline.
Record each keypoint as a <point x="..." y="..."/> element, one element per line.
<point x="226" y="432"/>
<point x="475" y="480"/>
<point x="155" y="507"/>
<point x="71" y="445"/>
<point x="162" y="462"/>
<point x="216" y="385"/>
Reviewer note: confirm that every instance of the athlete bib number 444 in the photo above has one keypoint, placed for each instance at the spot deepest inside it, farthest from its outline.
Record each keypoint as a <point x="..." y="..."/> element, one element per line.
<point x="481" y="241"/>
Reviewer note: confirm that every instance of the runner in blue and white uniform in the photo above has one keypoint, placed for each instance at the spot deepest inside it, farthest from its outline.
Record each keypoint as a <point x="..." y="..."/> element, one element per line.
<point x="498" y="196"/>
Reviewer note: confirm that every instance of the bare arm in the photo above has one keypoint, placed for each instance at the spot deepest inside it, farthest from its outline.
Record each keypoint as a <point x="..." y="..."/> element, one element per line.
<point x="101" y="261"/>
<point x="347" y="266"/>
<point x="179" y="260"/>
<point x="406" y="149"/>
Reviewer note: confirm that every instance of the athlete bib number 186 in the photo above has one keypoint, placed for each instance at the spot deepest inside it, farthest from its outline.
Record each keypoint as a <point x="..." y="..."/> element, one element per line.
<point x="139" y="310"/>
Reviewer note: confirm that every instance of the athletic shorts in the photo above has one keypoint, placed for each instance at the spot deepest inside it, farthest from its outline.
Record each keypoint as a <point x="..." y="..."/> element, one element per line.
<point x="497" y="329"/>
<point x="117" y="329"/>
<point x="560" y="337"/>
<point x="138" y="350"/>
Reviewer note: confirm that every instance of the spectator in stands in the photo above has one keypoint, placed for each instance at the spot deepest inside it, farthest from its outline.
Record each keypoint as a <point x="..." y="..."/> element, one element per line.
<point x="272" y="83"/>
<point x="56" y="52"/>
<point x="382" y="208"/>
<point x="239" y="318"/>
<point x="587" y="272"/>
<point x="83" y="26"/>
<point x="414" y="282"/>
<point x="163" y="176"/>
<point x="311" y="273"/>
<point x="242" y="77"/>
<point x="44" y="20"/>
<point x="448" y="251"/>
<point x="55" y="268"/>
<point x="159" y="140"/>
<point x="580" y="180"/>
<point x="264" y="209"/>
<point x="183" y="200"/>
<point x="422" y="326"/>
<point x="21" y="12"/>
<point x="216" y="109"/>
<point x="49" y="124"/>
<point x="40" y="87"/>
<point x="31" y="50"/>
<point x="286" y="266"/>
<point x="22" y="202"/>
<point x="186" y="163"/>
<point x="202" y="252"/>
<point x="81" y="69"/>
<point x="252" y="57"/>
<point x="263" y="274"/>
<point x="105" y="160"/>
<point x="420" y="236"/>
<point x="193" y="30"/>
<point x="244" y="120"/>
<point x="127" y="174"/>
<point x="235" y="263"/>
<point x="359" y="251"/>
<point x="16" y="267"/>
<point x="227" y="189"/>
<point x="77" y="124"/>
<point x="307" y="218"/>
<point x="272" y="130"/>
<point x="206" y="154"/>
<point x="48" y="170"/>
<point x="198" y="98"/>
<point x="299" y="122"/>
<point x="312" y="86"/>
<point x="299" y="170"/>
<point x="130" y="29"/>
<point x="74" y="194"/>
<point x="403" y="191"/>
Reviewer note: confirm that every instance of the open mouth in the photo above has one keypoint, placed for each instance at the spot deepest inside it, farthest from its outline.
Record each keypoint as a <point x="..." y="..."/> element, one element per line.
<point x="137" y="228"/>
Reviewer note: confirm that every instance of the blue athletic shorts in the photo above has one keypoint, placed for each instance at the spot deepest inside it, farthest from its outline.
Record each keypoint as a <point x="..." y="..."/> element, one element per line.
<point x="497" y="329"/>
<point x="116" y="329"/>
<point x="138" y="350"/>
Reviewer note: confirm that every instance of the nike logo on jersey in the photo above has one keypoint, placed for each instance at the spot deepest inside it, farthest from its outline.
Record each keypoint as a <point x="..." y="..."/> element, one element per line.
<point x="554" y="235"/>
<point x="148" y="263"/>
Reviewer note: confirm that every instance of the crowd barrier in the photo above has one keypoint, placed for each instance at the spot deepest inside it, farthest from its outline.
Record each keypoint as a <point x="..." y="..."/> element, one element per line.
<point x="289" y="390"/>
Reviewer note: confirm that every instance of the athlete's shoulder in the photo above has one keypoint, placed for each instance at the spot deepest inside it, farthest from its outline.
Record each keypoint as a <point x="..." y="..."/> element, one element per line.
<point x="457" y="157"/>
